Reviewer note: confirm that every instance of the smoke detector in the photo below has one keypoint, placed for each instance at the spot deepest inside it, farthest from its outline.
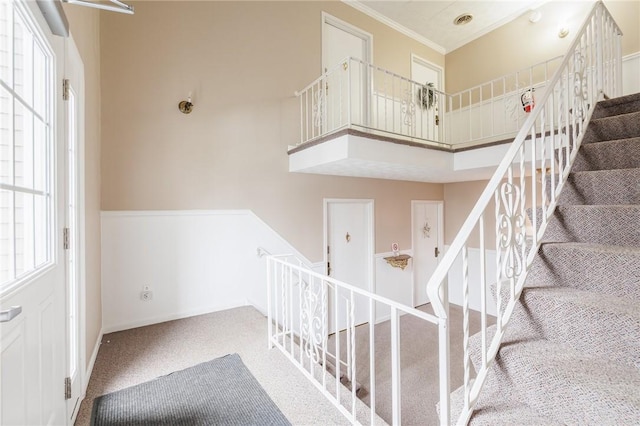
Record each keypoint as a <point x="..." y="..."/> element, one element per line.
<point x="463" y="19"/>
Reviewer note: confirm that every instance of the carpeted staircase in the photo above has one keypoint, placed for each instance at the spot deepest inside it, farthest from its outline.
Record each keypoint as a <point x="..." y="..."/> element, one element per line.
<point x="572" y="349"/>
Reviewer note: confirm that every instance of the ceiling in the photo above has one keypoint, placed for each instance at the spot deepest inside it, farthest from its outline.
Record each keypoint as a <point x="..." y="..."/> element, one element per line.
<point x="431" y="21"/>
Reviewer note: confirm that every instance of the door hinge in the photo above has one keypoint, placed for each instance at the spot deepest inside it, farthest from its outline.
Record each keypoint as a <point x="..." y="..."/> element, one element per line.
<point x="65" y="238"/>
<point x="436" y="252"/>
<point x="67" y="388"/>
<point x="65" y="89"/>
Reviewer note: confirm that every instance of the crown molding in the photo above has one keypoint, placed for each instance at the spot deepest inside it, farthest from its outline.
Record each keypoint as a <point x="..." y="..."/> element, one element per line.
<point x="393" y="24"/>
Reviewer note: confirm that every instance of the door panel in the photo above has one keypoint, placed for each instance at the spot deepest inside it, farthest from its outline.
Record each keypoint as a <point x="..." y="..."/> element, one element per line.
<point x="346" y="84"/>
<point x="426" y="237"/>
<point x="13" y="378"/>
<point x="349" y="238"/>
<point x="428" y="122"/>
<point x="74" y="138"/>
<point x="32" y="352"/>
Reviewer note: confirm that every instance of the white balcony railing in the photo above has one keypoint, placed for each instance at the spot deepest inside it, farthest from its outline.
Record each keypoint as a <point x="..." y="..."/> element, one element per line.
<point x="303" y="304"/>
<point x="361" y="96"/>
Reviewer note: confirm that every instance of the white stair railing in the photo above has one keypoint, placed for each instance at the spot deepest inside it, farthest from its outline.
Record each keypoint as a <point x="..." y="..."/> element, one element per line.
<point x="531" y="175"/>
<point x="322" y="324"/>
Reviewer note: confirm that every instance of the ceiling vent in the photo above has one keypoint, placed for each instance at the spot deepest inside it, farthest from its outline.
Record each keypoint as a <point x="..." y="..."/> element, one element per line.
<point x="465" y="18"/>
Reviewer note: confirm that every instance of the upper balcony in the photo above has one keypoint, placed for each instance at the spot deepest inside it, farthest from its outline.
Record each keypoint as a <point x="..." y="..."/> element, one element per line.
<point x="361" y="120"/>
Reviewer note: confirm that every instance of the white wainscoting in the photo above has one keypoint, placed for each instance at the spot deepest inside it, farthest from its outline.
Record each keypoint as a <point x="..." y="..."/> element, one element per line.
<point x="631" y="74"/>
<point x="194" y="262"/>
<point x="455" y="280"/>
<point x="197" y="262"/>
<point x="393" y="283"/>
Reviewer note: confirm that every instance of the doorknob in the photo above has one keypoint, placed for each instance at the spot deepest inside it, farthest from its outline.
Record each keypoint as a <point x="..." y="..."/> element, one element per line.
<point x="436" y="252"/>
<point x="11" y="313"/>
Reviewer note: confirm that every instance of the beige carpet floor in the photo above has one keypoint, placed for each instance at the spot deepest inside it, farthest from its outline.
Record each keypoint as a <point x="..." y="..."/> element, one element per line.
<point x="419" y="364"/>
<point x="134" y="356"/>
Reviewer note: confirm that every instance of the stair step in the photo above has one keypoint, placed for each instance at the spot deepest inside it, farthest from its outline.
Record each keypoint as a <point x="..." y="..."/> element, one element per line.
<point x="620" y="126"/>
<point x="500" y="409"/>
<point x="615" y="106"/>
<point x="608" y="155"/>
<point x="602" y="187"/>
<point x="602" y="269"/>
<point x="570" y="386"/>
<point x="598" y="224"/>
<point x="599" y="324"/>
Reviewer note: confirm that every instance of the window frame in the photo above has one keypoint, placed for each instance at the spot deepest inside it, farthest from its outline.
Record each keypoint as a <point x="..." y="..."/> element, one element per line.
<point x="40" y="239"/>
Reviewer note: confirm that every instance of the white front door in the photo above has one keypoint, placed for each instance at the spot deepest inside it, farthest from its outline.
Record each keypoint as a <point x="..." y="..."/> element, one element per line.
<point x="427" y="241"/>
<point x="346" y="82"/>
<point x="32" y="331"/>
<point x="349" y="225"/>
<point x="427" y="122"/>
<point x="74" y="261"/>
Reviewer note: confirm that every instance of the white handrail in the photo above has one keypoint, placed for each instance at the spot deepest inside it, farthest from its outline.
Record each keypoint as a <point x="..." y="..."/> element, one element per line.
<point x="560" y="119"/>
<point x="312" y="320"/>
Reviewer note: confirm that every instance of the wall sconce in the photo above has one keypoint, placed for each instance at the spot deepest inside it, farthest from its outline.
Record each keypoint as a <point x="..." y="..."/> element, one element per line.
<point x="186" y="107"/>
<point x="563" y="31"/>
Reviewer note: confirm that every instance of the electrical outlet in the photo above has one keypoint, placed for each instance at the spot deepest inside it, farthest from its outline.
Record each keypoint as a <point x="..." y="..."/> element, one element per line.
<point x="146" y="295"/>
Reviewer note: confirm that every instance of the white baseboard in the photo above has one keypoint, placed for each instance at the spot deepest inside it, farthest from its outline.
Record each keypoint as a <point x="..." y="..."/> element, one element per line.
<point x="87" y="374"/>
<point x="174" y="316"/>
<point x="92" y="362"/>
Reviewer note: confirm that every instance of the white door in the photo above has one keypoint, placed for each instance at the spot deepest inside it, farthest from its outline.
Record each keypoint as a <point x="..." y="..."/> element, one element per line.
<point x="74" y="261"/>
<point x="427" y="242"/>
<point x="346" y="82"/>
<point x="32" y="331"/>
<point x="349" y="236"/>
<point x="427" y="122"/>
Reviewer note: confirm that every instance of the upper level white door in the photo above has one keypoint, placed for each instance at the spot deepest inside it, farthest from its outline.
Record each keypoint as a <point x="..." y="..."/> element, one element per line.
<point x="346" y="84"/>
<point x="32" y="350"/>
<point x="427" y="120"/>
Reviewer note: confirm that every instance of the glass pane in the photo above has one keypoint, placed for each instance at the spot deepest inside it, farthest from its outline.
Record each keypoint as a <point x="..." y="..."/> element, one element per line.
<point x="39" y="155"/>
<point x="23" y="147"/>
<point x="41" y="230"/>
<point x="23" y="59"/>
<point x="39" y="80"/>
<point x="6" y="137"/>
<point x="6" y="236"/>
<point x="24" y="229"/>
<point x="6" y="16"/>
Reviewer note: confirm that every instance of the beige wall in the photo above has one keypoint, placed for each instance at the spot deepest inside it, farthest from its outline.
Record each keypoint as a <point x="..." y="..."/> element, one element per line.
<point x="243" y="61"/>
<point x="520" y="43"/>
<point x="85" y="29"/>
<point x="459" y="199"/>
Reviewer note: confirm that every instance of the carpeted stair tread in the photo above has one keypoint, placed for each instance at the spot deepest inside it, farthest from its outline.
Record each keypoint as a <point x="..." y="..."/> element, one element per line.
<point x="599" y="224"/>
<point x="608" y="155"/>
<point x="615" y="106"/>
<point x="620" y="126"/>
<point x="602" y="187"/>
<point x="578" y="387"/>
<point x="602" y="269"/>
<point x="579" y="319"/>
<point x="499" y="410"/>
<point x="513" y="335"/>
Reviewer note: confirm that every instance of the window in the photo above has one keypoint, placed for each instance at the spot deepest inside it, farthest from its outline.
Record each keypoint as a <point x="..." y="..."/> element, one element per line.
<point x="26" y="138"/>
